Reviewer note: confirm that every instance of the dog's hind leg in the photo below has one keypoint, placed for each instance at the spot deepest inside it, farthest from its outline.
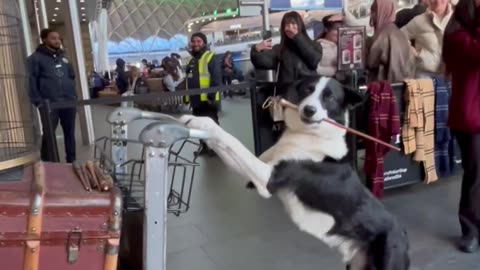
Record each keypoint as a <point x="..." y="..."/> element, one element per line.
<point x="232" y="152"/>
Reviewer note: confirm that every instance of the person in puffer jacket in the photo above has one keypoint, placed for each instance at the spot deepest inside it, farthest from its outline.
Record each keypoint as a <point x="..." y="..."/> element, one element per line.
<point x="329" y="42"/>
<point x="51" y="77"/>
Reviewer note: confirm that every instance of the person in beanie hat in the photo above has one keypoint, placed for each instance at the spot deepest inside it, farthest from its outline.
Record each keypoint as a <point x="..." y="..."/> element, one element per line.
<point x="203" y="71"/>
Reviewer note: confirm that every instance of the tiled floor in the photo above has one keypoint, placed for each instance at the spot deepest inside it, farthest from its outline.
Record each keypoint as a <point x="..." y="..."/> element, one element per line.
<point x="231" y="228"/>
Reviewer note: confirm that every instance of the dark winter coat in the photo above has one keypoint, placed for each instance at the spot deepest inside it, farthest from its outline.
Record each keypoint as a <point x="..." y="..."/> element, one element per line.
<point x="51" y="76"/>
<point x="122" y="77"/>
<point x="299" y="59"/>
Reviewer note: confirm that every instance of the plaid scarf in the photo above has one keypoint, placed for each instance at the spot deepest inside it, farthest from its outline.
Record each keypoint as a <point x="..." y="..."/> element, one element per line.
<point x="418" y="127"/>
<point x="383" y="124"/>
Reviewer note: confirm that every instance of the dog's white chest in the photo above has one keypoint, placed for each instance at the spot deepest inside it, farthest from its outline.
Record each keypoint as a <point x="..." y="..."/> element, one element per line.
<point x="317" y="224"/>
<point x="310" y="221"/>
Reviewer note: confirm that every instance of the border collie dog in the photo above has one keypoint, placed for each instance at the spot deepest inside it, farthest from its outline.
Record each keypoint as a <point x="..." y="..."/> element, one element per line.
<point x="322" y="193"/>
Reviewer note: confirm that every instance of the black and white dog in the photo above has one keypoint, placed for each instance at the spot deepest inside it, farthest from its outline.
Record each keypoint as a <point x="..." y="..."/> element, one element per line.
<point x="322" y="195"/>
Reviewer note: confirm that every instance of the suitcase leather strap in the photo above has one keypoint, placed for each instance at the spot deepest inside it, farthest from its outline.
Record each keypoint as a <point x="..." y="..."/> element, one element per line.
<point x="34" y="224"/>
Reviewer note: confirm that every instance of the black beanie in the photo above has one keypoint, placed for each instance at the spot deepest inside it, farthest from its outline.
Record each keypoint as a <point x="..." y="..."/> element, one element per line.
<point x="200" y="35"/>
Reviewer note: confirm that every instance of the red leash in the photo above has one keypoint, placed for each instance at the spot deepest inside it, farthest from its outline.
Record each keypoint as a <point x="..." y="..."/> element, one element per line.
<point x="286" y="103"/>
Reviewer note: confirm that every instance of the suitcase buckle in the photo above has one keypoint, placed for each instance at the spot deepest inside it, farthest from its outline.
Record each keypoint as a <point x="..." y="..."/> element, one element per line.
<point x="73" y="245"/>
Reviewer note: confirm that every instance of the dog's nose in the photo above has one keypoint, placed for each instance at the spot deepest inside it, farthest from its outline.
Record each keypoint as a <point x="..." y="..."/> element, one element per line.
<point x="309" y="111"/>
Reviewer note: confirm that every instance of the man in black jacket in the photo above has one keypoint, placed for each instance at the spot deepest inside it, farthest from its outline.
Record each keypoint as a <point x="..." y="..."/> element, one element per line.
<point x="203" y="71"/>
<point x="51" y="77"/>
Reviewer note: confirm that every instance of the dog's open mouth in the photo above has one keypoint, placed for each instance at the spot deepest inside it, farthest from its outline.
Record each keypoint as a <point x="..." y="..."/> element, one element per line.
<point x="309" y="121"/>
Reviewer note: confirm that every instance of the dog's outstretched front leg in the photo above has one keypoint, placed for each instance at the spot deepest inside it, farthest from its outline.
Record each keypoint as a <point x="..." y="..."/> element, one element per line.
<point x="232" y="152"/>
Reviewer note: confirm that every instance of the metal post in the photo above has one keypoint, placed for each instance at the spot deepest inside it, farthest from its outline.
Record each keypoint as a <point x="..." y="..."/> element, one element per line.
<point x="37" y="20"/>
<point x="49" y="131"/>
<point x="119" y="149"/>
<point x="158" y="138"/>
<point x="75" y="47"/>
<point x="155" y="221"/>
<point x="266" y="23"/>
<point x="352" y="141"/>
<point x="27" y="33"/>
<point x="43" y="14"/>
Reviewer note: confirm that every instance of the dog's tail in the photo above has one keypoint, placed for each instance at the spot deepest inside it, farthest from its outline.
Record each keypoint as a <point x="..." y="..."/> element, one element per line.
<point x="389" y="250"/>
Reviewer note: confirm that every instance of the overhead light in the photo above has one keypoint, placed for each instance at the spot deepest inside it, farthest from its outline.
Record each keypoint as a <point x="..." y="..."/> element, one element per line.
<point x="82" y="8"/>
<point x="55" y="15"/>
<point x="84" y="14"/>
<point x="59" y="1"/>
<point x="84" y="19"/>
<point x="57" y="8"/>
<point x="53" y="20"/>
<point x="196" y="21"/>
<point x="81" y="1"/>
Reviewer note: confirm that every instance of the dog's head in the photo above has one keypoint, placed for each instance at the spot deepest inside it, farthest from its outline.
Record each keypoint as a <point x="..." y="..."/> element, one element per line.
<point x="319" y="98"/>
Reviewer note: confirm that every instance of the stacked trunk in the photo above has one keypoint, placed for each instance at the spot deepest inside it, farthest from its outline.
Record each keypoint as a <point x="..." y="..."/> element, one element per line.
<point x="50" y="222"/>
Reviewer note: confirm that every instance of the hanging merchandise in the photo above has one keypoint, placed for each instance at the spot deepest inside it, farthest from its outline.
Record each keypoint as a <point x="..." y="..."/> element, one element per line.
<point x="419" y="124"/>
<point x="384" y="124"/>
<point x="443" y="156"/>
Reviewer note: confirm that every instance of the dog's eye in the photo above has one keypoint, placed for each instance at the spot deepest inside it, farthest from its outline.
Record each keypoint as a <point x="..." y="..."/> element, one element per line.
<point x="328" y="96"/>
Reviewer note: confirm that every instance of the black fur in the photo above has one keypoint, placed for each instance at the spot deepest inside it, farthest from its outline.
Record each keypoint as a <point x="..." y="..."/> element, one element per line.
<point x="335" y="189"/>
<point x="335" y="98"/>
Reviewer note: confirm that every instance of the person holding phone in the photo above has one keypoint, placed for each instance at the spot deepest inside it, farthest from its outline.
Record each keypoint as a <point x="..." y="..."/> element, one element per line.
<point x="296" y="56"/>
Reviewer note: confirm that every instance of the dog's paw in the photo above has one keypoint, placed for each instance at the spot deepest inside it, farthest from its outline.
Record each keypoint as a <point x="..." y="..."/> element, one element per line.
<point x="201" y="123"/>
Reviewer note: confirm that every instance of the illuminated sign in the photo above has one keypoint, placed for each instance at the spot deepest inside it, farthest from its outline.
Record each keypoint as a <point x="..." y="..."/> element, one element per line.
<point x="306" y="4"/>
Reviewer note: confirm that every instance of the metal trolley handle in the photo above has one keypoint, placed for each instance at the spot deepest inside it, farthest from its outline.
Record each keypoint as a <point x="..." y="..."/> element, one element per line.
<point x="125" y="115"/>
<point x="165" y="133"/>
<point x="158" y="137"/>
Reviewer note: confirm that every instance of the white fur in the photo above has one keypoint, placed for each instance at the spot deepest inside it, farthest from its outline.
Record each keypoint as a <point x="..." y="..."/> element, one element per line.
<point x="314" y="101"/>
<point x="233" y="153"/>
<point x="300" y="141"/>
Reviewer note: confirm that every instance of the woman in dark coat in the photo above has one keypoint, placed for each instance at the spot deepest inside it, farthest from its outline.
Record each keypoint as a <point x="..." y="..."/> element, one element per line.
<point x="297" y="54"/>
<point x="461" y="52"/>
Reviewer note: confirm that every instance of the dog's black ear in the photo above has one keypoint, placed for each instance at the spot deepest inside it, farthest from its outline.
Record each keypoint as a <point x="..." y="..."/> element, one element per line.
<point x="353" y="98"/>
<point x="288" y="91"/>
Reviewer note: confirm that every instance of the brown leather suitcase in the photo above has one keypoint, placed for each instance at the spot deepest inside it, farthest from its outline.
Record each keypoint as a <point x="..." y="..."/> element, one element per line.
<point x="49" y="222"/>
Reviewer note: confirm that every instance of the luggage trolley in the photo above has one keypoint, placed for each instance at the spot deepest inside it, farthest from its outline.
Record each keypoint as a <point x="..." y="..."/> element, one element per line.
<point x="145" y="180"/>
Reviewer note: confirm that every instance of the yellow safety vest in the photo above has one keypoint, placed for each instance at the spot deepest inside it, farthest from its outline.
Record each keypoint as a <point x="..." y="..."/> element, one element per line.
<point x="204" y="75"/>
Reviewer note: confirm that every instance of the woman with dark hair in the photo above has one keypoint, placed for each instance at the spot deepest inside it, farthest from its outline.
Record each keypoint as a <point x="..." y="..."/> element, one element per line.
<point x="228" y="71"/>
<point x="389" y="57"/>
<point x="461" y="52"/>
<point x="173" y="76"/>
<point x="329" y="42"/>
<point x="296" y="56"/>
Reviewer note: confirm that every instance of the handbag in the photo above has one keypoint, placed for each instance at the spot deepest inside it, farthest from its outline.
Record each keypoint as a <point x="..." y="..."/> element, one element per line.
<point x="273" y="104"/>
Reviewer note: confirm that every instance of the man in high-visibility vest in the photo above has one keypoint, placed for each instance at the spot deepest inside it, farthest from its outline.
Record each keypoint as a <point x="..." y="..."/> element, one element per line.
<point x="203" y="71"/>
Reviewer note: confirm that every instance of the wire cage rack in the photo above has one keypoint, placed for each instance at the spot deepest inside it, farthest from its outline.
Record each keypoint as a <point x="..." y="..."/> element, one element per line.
<point x="129" y="176"/>
<point x="18" y="131"/>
